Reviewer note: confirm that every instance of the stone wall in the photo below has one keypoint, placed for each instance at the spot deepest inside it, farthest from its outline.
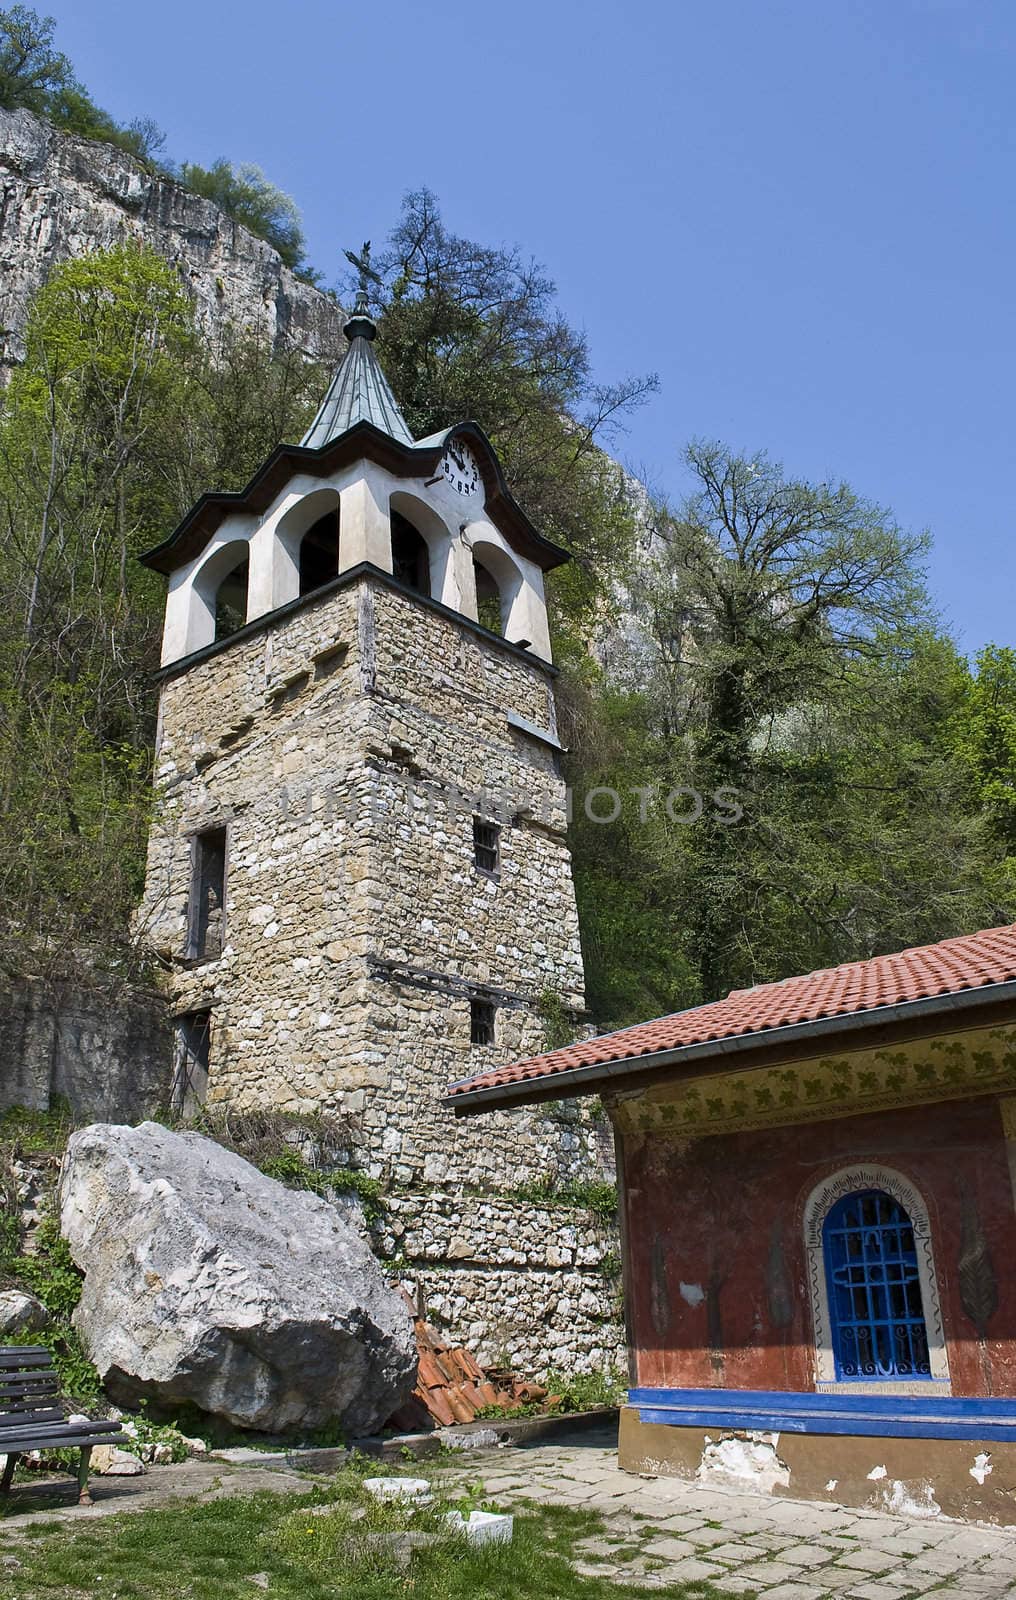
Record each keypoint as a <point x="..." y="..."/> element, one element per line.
<point x="64" y="197"/>
<point x="347" y="746"/>
<point x="107" y="1054"/>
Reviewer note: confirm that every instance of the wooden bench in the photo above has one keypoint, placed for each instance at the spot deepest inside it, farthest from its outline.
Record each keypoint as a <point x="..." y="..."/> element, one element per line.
<point x="31" y="1418"/>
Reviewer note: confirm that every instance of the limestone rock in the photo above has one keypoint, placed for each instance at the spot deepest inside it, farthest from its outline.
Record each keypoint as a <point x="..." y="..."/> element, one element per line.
<point x="109" y="1462"/>
<point x="208" y="1283"/>
<point x="21" y="1313"/>
<point x="65" y="196"/>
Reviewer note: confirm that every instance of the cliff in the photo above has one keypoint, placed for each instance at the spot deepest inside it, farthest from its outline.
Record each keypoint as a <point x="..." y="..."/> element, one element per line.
<point x="64" y="196"/>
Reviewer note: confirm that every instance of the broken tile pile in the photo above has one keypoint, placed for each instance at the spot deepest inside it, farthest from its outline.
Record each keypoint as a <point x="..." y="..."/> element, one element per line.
<point x="451" y="1385"/>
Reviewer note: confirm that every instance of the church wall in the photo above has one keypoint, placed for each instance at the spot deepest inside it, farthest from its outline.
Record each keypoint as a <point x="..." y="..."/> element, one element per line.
<point x="719" y="1293"/>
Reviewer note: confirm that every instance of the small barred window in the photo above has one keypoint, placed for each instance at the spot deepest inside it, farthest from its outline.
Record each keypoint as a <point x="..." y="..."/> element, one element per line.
<point x="486" y="846"/>
<point x="481" y="1022"/>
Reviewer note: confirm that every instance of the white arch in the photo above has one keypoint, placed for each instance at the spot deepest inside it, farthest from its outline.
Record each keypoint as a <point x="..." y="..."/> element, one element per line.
<point x="287" y="536"/>
<point x="854" y="1180"/>
<point x="436" y="535"/>
<point x="204" y="589"/>
<point x="505" y="573"/>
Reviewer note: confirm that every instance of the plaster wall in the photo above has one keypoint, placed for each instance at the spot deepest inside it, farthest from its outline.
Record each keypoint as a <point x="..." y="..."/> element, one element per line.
<point x="718" y="1269"/>
<point x="366" y="493"/>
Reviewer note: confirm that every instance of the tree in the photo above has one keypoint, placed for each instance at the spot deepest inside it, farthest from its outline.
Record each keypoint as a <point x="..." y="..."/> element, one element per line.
<point x="246" y="194"/>
<point x="31" y="70"/>
<point x="983" y="736"/>
<point x="116" y="421"/>
<point x="786" y="657"/>
<point x="469" y="330"/>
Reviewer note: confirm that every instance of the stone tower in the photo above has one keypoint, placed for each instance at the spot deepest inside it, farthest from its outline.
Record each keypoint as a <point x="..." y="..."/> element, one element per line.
<point x="358" y="880"/>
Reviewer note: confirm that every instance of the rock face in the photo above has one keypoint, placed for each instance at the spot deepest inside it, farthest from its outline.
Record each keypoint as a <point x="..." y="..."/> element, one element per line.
<point x="64" y="197"/>
<point x="21" y="1313"/>
<point x="207" y="1282"/>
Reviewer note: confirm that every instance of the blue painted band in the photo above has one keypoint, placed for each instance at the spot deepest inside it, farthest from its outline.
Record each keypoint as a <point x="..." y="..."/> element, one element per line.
<point x="937" y="1416"/>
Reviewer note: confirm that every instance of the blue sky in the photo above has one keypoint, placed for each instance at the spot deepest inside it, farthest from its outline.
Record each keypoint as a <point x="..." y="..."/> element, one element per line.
<point x="800" y="213"/>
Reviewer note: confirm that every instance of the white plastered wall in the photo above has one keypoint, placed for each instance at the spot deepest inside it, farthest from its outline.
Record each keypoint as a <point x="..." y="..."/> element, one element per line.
<point x="453" y="530"/>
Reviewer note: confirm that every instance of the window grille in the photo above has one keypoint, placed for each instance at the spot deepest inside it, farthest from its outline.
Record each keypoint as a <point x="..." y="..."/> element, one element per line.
<point x="481" y="1022"/>
<point x="875" y="1305"/>
<point x="486" y="852"/>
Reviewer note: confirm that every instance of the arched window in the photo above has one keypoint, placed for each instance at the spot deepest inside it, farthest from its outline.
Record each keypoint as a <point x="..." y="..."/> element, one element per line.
<point x="489" y="611"/>
<point x="410" y="554"/>
<point x="231" y="600"/>
<point x="876" y="1310"/>
<point x="319" y="552"/>
<point x="872" y="1283"/>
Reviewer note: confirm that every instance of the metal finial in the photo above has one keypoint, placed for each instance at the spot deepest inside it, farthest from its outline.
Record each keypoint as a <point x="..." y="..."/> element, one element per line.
<point x="367" y="276"/>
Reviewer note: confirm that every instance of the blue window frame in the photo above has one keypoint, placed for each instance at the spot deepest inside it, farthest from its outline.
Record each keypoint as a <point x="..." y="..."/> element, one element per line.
<point x="875" y="1306"/>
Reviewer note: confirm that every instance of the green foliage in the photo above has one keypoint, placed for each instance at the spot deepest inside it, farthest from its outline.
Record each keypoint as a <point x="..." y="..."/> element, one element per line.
<point x="581" y="1195"/>
<point x="143" y="1432"/>
<point x="983" y="736"/>
<point x="558" y="1022"/>
<point x="31" y="69"/>
<point x="787" y="661"/>
<point x="49" y="1272"/>
<point x="467" y="330"/>
<point x="245" y="193"/>
<point x="115" y="423"/>
<point x="567" y="1392"/>
<point x="24" y="1132"/>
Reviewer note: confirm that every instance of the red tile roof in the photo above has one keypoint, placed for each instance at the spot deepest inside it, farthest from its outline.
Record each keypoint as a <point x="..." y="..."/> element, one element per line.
<point x="975" y="961"/>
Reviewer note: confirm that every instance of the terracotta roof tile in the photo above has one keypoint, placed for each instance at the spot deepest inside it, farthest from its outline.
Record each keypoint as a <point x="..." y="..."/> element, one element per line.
<point x="974" y="961"/>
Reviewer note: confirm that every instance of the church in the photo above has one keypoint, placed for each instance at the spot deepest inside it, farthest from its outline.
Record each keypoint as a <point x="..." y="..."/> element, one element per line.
<point x="358" y="882"/>
<point x="818" y="1216"/>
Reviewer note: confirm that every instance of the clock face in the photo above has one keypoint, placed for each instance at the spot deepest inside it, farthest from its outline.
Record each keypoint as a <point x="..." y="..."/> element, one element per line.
<point x="461" y="468"/>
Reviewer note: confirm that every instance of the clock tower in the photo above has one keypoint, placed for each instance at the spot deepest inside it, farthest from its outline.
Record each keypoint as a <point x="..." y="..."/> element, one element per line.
<point x="358" y="881"/>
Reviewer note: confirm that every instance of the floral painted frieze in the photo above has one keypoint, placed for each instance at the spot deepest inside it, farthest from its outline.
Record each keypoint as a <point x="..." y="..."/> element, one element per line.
<point x="954" y="1067"/>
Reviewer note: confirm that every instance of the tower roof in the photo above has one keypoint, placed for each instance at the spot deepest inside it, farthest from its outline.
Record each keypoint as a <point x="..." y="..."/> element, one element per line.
<point x="359" y="391"/>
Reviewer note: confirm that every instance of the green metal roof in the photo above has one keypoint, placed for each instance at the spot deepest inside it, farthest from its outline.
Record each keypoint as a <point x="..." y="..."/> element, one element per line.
<point x="359" y="391"/>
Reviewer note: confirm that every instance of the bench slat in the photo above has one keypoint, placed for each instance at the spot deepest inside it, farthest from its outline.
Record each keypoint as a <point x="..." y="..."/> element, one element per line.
<point x="35" y="1380"/>
<point x="14" y="1424"/>
<point x="25" y="1355"/>
<point x="69" y="1433"/>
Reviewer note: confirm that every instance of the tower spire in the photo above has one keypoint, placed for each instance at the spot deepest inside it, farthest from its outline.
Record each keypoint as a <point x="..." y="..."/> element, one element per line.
<point x="359" y="391"/>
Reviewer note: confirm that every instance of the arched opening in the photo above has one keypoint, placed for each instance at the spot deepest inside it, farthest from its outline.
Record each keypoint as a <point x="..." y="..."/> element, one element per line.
<point x="231" y="600"/>
<point x="319" y="552"/>
<point x="489" y="608"/>
<point x="410" y="554"/>
<point x="873" y="1280"/>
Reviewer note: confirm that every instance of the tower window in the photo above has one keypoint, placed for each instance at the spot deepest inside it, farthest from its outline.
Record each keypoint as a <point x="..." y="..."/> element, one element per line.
<point x="319" y="552"/>
<point x="410" y="555"/>
<point x="486" y="845"/>
<point x="875" y="1304"/>
<point x="190" y="1069"/>
<point x="481" y="1022"/>
<point x="206" y="910"/>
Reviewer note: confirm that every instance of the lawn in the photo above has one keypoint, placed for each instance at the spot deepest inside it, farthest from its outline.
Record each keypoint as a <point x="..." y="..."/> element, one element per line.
<point x="330" y="1544"/>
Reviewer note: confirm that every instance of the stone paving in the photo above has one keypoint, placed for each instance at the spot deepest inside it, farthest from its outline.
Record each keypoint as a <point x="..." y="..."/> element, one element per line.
<point x="664" y="1530"/>
<point x="657" y="1530"/>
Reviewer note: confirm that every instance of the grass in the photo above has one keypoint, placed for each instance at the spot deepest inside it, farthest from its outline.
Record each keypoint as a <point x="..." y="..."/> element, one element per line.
<point x="328" y="1544"/>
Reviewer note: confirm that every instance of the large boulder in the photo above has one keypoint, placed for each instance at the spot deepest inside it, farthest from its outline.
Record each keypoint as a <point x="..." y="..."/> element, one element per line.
<point x="207" y="1282"/>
